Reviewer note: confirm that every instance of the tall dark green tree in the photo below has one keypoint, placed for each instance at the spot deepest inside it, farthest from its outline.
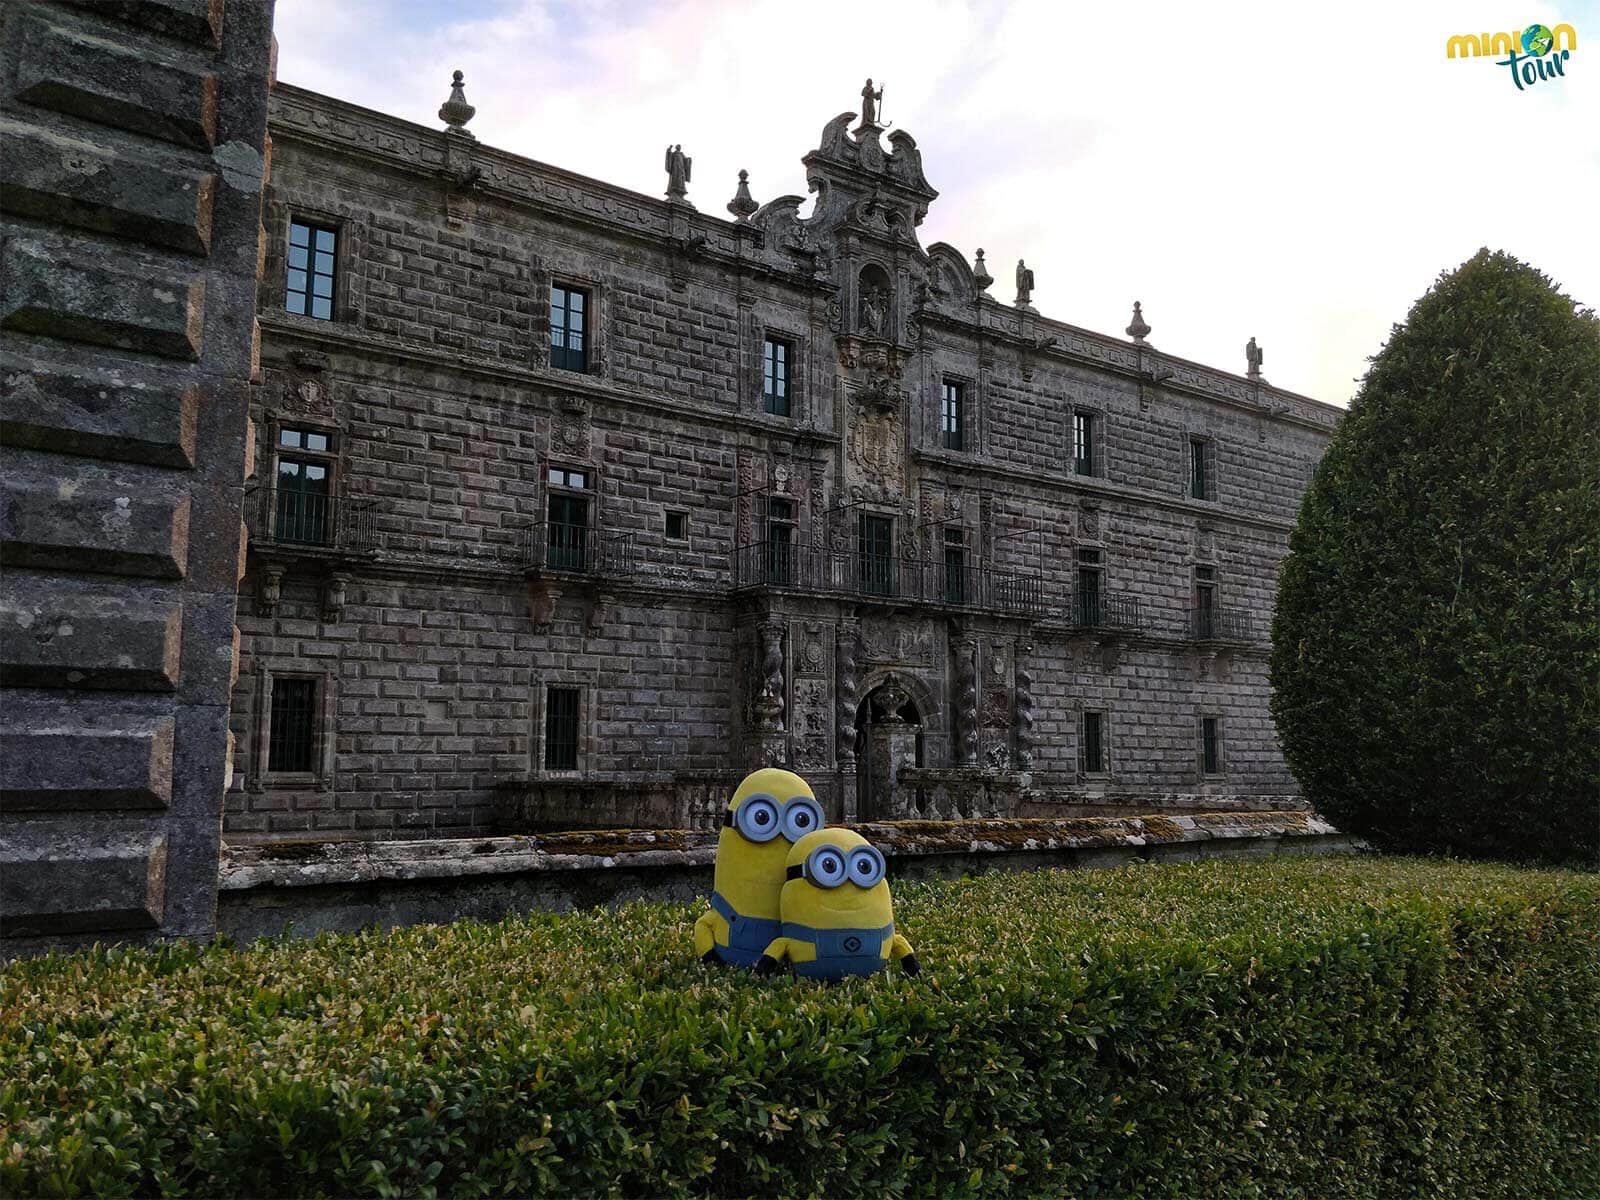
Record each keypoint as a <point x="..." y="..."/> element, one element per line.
<point x="1436" y="645"/>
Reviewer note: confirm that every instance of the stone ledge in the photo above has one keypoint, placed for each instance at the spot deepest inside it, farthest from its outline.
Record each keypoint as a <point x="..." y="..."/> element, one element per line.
<point x="321" y="863"/>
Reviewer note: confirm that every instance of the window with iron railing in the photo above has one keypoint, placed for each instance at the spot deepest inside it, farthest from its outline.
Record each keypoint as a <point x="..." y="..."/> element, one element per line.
<point x="291" y="744"/>
<point x="1205" y="601"/>
<point x="1090" y="577"/>
<point x="561" y="729"/>
<point x="875" y="555"/>
<point x="304" y="505"/>
<point x="567" y="520"/>
<point x="955" y="567"/>
<point x="778" y="564"/>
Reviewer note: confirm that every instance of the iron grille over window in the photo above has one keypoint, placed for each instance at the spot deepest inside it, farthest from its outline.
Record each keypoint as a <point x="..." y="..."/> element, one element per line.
<point x="305" y="487"/>
<point x="312" y="253"/>
<point x="775" y="376"/>
<point x="1199" y="469"/>
<point x="875" y="553"/>
<point x="561" y="729"/>
<point x="951" y="415"/>
<point x="1093" y="744"/>
<point x="1210" y="748"/>
<point x="569" y="309"/>
<point x="293" y="740"/>
<point x="1083" y="449"/>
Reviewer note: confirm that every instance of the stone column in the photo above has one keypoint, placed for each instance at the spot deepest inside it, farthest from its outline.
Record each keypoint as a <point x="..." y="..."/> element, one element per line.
<point x="769" y="703"/>
<point x="965" y="650"/>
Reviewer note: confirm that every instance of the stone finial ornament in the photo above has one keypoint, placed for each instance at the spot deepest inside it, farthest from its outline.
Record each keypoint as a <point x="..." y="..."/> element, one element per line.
<point x="980" y="273"/>
<point x="743" y="203"/>
<point x="677" y="165"/>
<point x="1024" y="284"/>
<point x="1253" y="357"/>
<point x="456" y="112"/>
<point x="1138" y="330"/>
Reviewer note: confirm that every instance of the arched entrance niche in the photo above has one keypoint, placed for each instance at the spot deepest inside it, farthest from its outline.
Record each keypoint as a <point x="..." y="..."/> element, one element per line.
<point x="892" y="724"/>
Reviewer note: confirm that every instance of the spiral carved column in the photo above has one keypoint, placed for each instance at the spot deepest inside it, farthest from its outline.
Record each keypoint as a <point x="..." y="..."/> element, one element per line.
<point x="1024" y="702"/>
<point x="846" y="689"/>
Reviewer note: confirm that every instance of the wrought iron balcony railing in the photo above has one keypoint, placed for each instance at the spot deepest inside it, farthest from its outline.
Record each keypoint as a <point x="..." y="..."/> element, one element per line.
<point x="577" y="550"/>
<point x="1221" y="625"/>
<point x="320" y="522"/>
<point x="787" y="565"/>
<point x="1111" y="611"/>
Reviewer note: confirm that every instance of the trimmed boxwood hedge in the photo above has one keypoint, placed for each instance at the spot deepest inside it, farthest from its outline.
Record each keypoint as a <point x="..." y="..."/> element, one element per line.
<point x="1310" y="1028"/>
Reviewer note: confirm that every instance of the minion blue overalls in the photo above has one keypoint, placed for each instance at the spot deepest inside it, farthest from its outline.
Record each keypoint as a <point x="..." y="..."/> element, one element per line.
<point x="840" y="952"/>
<point x="747" y="936"/>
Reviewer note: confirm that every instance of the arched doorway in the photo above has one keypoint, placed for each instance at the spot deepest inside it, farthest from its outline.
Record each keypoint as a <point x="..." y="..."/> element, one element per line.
<point x="889" y="736"/>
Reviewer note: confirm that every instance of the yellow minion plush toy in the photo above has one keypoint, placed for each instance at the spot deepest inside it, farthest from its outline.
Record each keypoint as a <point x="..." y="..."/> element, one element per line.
<point x="838" y="918"/>
<point x="770" y="810"/>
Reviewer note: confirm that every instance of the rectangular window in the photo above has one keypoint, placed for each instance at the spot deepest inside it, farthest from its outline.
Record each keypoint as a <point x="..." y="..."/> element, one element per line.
<point x="955" y="567"/>
<point x="775" y="358"/>
<point x="292" y="744"/>
<point x="677" y="527"/>
<point x="1083" y="447"/>
<point x="1210" y="746"/>
<point x="561" y="729"/>
<point x="567" y="521"/>
<point x="304" y="513"/>
<point x="780" y="542"/>
<point x="1092" y="746"/>
<point x="875" y="555"/>
<point x="569" y="325"/>
<point x="1205" y="601"/>
<point x="312" y="253"/>
<point x="952" y="417"/>
<point x="1090" y="569"/>
<point x="1199" y="469"/>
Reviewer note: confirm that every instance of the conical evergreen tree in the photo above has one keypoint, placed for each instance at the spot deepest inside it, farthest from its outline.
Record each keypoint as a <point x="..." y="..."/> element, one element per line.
<point x="1436" y="645"/>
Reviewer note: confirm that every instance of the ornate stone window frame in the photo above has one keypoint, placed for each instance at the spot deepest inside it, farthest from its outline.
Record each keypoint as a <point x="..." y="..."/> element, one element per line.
<point x="597" y="363"/>
<point x="349" y="283"/>
<point x="586" y="687"/>
<point x="971" y="426"/>
<point x="797" y="343"/>
<point x="320" y="778"/>
<point x="1208" y="443"/>
<point x="1097" y="440"/>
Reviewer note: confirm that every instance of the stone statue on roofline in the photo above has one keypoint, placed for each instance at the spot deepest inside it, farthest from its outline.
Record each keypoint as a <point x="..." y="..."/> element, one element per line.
<point x="870" y="100"/>
<point x="1024" y="284"/>
<point x="678" y="165"/>
<point x="1253" y="357"/>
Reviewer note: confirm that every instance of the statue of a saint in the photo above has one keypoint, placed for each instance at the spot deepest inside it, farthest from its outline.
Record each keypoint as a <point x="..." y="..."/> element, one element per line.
<point x="678" y="165"/>
<point x="869" y="103"/>
<point x="874" y="310"/>
<point x="1024" y="284"/>
<point x="1253" y="356"/>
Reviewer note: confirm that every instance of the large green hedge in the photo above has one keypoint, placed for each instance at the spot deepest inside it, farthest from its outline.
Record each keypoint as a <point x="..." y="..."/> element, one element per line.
<point x="1353" y="1028"/>
<point x="1436" y="645"/>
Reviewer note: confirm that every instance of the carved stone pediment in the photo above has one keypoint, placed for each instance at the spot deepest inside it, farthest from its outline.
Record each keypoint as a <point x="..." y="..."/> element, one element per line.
<point x="875" y="355"/>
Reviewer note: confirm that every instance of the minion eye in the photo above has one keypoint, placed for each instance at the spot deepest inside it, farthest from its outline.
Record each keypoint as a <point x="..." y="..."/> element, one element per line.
<point x="826" y="867"/>
<point x="757" y="818"/>
<point x="802" y="815"/>
<point x="866" y="866"/>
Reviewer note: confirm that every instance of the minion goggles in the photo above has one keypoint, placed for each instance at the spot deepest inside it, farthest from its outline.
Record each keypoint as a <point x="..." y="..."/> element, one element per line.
<point x="831" y="867"/>
<point x="760" y="817"/>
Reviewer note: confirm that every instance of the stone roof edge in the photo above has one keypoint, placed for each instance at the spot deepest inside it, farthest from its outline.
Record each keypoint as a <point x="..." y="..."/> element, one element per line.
<point x="313" y="864"/>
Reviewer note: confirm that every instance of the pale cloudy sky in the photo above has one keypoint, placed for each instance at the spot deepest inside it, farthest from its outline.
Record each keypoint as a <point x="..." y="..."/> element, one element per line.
<point x="1293" y="172"/>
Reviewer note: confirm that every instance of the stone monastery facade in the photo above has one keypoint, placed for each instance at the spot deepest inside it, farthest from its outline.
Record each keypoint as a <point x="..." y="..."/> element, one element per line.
<point x="572" y="504"/>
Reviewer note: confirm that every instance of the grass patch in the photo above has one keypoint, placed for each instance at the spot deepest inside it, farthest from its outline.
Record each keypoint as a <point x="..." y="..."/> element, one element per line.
<point x="1314" y="1027"/>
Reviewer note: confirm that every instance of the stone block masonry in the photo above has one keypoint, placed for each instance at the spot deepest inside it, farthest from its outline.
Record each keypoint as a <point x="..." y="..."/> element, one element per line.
<point x="130" y="232"/>
<point x="502" y="579"/>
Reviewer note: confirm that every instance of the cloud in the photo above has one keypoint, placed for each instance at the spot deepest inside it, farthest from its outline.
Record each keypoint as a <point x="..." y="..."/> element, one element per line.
<point x="1298" y="174"/>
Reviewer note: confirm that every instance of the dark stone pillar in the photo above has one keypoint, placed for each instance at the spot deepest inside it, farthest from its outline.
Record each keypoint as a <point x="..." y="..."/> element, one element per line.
<point x="132" y="229"/>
